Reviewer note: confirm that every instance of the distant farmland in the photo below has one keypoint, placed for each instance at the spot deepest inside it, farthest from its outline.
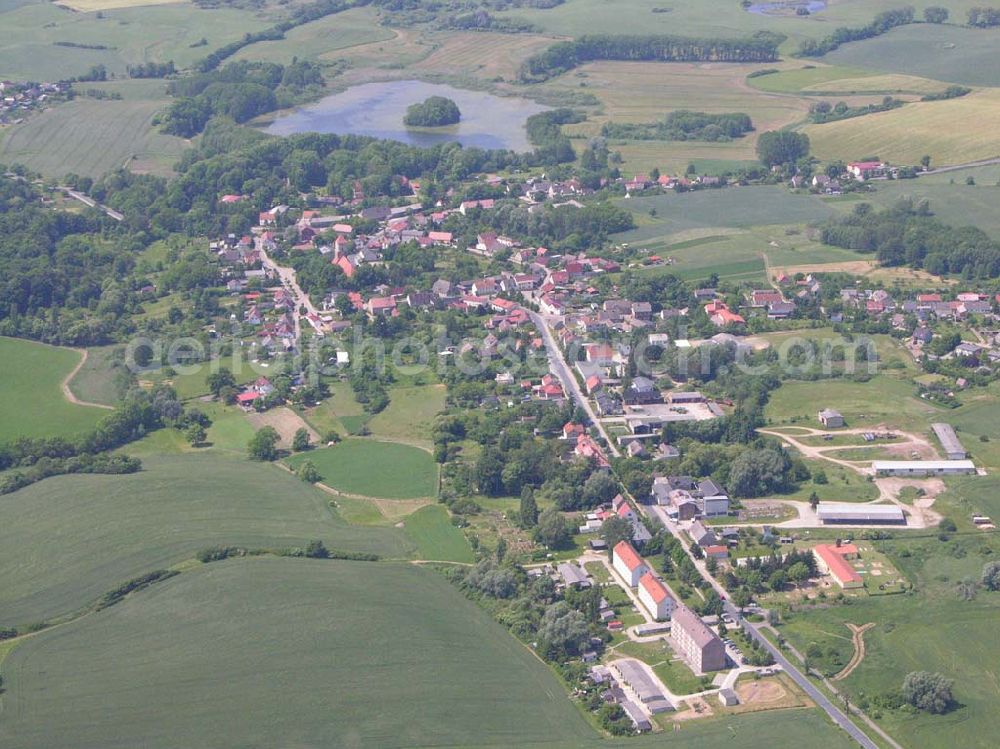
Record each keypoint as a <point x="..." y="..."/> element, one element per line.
<point x="124" y="526"/>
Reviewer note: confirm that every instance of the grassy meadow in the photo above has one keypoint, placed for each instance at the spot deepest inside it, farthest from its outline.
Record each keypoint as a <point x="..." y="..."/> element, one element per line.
<point x="320" y="39"/>
<point x="645" y="92"/>
<point x="124" y="526"/>
<point x="370" y="468"/>
<point x="32" y="403"/>
<point x="130" y="34"/>
<point x="436" y="538"/>
<point x="921" y="632"/>
<point x="410" y="414"/>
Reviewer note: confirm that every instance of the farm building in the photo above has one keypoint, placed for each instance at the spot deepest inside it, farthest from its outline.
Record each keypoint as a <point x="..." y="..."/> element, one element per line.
<point x="628" y="563"/>
<point x="950" y="443"/>
<point x="653" y="594"/>
<point x="637" y="716"/>
<point x="830" y="418"/>
<point x="695" y="642"/>
<point x="832" y="561"/>
<point x="922" y="467"/>
<point x="640" y="685"/>
<point x="849" y="513"/>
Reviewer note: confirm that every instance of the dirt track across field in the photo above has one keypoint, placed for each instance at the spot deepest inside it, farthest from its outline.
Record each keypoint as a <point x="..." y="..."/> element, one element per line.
<point x="68" y="394"/>
<point x="858" y="638"/>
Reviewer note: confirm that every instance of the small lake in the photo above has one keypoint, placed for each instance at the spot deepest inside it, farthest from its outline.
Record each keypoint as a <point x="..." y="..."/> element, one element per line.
<point x="786" y="6"/>
<point x="377" y="110"/>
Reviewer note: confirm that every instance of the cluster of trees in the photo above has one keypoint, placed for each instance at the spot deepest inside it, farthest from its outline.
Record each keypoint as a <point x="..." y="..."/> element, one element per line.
<point x="85" y="463"/>
<point x="434" y="111"/>
<point x="564" y="56"/>
<point x="778" y="147"/>
<point x="685" y="125"/>
<point x="883" y="22"/>
<point x="772" y="572"/>
<point x="935" y="14"/>
<point x="984" y="17"/>
<point x="952" y="92"/>
<point x="907" y="234"/>
<point x="823" y="111"/>
<point x="928" y="691"/>
<point x="545" y="134"/>
<point x="240" y="91"/>
<point x="151" y="69"/>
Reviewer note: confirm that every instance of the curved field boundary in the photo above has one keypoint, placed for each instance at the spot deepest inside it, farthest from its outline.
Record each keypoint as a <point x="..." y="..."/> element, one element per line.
<point x="858" y="638"/>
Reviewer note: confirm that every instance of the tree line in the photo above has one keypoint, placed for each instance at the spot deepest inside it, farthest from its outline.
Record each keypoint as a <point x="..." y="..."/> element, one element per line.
<point x="564" y="56"/>
<point x="882" y="23"/>
<point x="684" y="124"/>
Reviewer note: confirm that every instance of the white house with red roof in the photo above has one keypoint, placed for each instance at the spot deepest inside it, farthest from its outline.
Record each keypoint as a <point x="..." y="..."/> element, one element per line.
<point x="627" y="563"/>
<point x="655" y="597"/>
<point x="862" y="170"/>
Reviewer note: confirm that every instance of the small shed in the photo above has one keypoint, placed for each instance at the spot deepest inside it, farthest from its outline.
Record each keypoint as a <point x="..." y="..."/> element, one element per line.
<point x="830" y="418"/>
<point x="728" y="697"/>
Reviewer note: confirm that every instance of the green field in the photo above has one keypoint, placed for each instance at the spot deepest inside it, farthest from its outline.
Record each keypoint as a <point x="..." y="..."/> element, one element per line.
<point x="273" y="652"/>
<point x="436" y="538"/>
<point x="320" y="39"/>
<point x="68" y="539"/>
<point x="942" y="52"/>
<point x="410" y="414"/>
<point x="956" y="204"/>
<point x="735" y="207"/>
<point x="31" y="399"/>
<point x="91" y="137"/>
<point x="933" y="630"/>
<point x="131" y="35"/>
<point x="881" y="400"/>
<point x="370" y="468"/>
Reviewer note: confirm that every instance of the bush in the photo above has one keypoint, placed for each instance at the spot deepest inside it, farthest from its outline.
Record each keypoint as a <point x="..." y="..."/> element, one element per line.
<point x="928" y="691"/>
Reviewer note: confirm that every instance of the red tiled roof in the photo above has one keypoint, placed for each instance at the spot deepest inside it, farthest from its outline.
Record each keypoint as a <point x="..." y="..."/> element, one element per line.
<point x="624" y="551"/>
<point x="654" y="587"/>
<point x="839" y="567"/>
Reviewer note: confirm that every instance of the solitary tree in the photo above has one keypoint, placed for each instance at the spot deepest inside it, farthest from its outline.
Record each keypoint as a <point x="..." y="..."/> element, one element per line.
<point x="308" y="472"/>
<point x="529" y="508"/>
<point x="195" y="434"/>
<point x="218" y="381"/>
<point x="814" y="500"/>
<point x="928" y="691"/>
<point x="991" y="575"/>
<point x="300" y="441"/>
<point x="264" y="444"/>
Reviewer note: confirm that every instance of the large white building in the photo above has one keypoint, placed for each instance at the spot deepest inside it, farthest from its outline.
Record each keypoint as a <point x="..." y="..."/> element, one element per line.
<point x="653" y="594"/>
<point x="922" y="467"/>
<point x="628" y="563"/>
<point x="860" y="513"/>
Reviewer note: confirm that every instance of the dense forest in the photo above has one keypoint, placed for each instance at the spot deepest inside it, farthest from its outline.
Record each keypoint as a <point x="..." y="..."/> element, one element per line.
<point x="564" y="56"/>
<point x="684" y="125"/>
<point x="64" y="277"/>
<point x="883" y="22"/>
<point x="908" y="234"/>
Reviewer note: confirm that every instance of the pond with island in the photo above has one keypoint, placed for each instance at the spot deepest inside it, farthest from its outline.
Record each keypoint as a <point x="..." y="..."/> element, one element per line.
<point x="377" y="110"/>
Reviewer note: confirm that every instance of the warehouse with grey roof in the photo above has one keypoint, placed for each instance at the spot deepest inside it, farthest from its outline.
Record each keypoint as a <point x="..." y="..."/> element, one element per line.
<point x="950" y="443"/>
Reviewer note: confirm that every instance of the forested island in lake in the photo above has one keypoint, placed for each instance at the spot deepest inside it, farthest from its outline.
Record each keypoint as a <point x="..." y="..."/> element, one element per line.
<point x="434" y="111"/>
